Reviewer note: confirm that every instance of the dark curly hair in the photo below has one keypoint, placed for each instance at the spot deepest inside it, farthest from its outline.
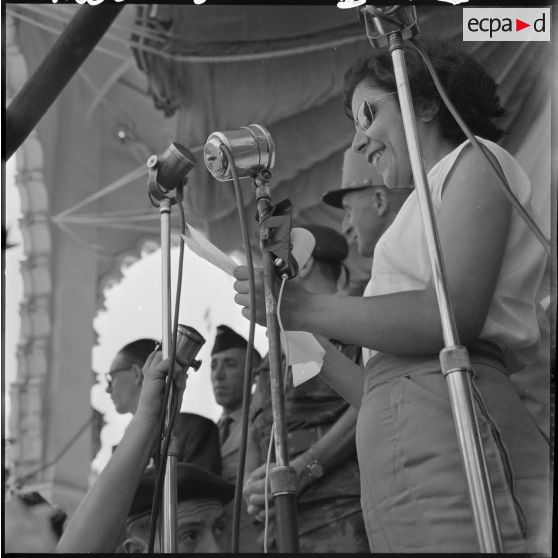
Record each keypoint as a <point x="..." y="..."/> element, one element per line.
<point x="472" y="91"/>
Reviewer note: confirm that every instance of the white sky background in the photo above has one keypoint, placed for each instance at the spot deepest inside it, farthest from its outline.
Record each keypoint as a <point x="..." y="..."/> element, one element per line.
<point x="133" y="310"/>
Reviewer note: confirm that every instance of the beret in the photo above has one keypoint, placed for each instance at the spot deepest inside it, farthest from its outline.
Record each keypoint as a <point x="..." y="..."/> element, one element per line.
<point x="226" y="338"/>
<point x="330" y="245"/>
<point x="192" y="482"/>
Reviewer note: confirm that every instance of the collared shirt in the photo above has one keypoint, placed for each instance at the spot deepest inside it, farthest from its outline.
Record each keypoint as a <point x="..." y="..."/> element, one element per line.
<point x="230" y="448"/>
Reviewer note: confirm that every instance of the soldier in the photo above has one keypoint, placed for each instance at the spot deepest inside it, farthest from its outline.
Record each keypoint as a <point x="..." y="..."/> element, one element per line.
<point x="321" y="432"/>
<point x="228" y="358"/>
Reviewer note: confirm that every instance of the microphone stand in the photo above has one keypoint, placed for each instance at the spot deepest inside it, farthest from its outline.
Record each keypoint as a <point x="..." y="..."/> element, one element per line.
<point x="454" y="358"/>
<point x="172" y="166"/>
<point x="282" y="476"/>
<point x="169" y="506"/>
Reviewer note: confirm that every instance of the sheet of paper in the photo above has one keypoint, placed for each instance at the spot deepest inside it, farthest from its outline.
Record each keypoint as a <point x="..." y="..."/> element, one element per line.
<point x="305" y="355"/>
<point x="208" y="251"/>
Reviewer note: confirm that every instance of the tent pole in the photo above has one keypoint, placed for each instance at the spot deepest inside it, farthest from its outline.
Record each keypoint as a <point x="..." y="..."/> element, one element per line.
<point x="71" y="49"/>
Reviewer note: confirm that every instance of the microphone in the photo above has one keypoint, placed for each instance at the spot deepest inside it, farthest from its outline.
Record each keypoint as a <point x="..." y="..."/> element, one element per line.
<point x="188" y="345"/>
<point x="381" y="21"/>
<point x="252" y="148"/>
<point x="168" y="171"/>
<point x="303" y="242"/>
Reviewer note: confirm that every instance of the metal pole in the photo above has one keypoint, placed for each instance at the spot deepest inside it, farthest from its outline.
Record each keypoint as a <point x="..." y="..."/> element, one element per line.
<point x="67" y="54"/>
<point x="282" y="476"/>
<point x="169" y="506"/>
<point x="454" y="358"/>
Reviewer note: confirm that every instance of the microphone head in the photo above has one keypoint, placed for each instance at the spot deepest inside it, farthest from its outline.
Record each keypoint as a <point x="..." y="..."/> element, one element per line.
<point x="188" y="344"/>
<point x="252" y="149"/>
<point x="172" y="166"/>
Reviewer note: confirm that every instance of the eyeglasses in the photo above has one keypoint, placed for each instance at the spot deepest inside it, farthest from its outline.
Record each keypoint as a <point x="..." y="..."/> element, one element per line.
<point x="109" y="375"/>
<point x="365" y="113"/>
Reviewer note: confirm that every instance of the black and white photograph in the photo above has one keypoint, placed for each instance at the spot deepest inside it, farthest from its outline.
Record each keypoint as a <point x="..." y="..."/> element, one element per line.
<point x="279" y="278"/>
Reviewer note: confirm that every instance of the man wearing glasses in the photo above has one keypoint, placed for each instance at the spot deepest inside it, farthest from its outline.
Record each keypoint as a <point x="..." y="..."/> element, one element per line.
<point x="194" y="433"/>
<point x="125" y="377"/>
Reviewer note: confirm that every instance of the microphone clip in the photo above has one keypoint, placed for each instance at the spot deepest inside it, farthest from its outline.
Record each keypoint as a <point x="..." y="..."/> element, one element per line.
<point x="277" y="240"/>
<point x="382" y="21"/>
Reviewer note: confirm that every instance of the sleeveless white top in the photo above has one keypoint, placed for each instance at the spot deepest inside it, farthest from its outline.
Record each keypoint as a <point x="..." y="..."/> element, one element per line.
<point x="401" y="261"/>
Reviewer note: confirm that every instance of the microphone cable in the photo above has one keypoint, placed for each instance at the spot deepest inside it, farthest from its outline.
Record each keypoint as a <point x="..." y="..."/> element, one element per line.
<point x="247" y="386"/>
<point x="482" y="150"/>
<point x="161" y="451"/>
<point x="272" y="432"/>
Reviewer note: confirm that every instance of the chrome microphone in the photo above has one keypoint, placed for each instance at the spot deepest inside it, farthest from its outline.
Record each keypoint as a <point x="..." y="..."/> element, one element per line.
<point x="188" y="345"/>
<point x="252" y="149"/>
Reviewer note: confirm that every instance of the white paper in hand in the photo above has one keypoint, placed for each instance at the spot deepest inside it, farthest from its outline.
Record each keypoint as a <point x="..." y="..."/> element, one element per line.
<point x="209" y="252"/>
<point x="305" y="355"/>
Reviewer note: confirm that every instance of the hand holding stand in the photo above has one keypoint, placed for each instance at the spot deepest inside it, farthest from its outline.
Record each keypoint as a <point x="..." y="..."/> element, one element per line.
<point x="282" y="476"/>
<point x="454" y="358"/>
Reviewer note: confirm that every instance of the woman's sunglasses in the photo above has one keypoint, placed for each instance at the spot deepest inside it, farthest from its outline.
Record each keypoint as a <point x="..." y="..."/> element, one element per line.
<point x="366" y="113"/>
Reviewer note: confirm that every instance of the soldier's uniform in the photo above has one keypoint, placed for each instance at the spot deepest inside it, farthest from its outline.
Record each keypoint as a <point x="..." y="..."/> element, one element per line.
<point x="328" y="510"/>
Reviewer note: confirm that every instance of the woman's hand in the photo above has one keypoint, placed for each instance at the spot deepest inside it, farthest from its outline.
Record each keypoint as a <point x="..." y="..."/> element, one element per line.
<point x="292" y="301"/>
<point x="242" y="288"/>
<point x="154" y="373"/>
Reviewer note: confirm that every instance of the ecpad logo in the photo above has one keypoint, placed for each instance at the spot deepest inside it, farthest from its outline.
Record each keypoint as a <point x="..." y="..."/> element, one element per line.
<point x="506" y="24"/>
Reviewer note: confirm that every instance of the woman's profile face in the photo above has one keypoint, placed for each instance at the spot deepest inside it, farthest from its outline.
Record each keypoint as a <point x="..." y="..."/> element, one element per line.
<point x="380" y="136"/>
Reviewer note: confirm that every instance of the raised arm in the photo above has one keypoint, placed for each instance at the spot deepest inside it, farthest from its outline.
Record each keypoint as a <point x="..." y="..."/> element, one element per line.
<point x="98" y="521"/>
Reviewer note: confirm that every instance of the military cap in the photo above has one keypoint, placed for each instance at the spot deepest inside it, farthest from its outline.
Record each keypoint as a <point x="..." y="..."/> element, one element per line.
<point x="226" y="338"/>
<point x="357" y="174"/>
<point x="330" y="246"/>
<point x="192" y="482"/>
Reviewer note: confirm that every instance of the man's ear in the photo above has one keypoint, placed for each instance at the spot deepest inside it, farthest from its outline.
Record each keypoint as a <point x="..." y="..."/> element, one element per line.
<point x="134" y="546"/>
<point x="138" y="374"/>
<point x="380" y="201"/>
<point x="427" y="109"/>
<point x="306" y="268"/>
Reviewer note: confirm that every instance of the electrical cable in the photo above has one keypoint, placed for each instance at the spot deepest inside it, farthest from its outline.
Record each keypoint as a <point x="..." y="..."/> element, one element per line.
<point x="266" y="498"/>
<point x="272" y="432"/>
<point x="482" y="150"/>
<point x="249" y="354"/>
<point x="161" y="453"/>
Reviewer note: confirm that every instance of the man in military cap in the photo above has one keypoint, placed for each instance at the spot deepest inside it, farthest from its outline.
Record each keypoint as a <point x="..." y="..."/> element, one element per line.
<point x="370" y="207"/>
<point x="320" y="432"/>
<point x="228" y="357"/>
<point x="202" y="525"/>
